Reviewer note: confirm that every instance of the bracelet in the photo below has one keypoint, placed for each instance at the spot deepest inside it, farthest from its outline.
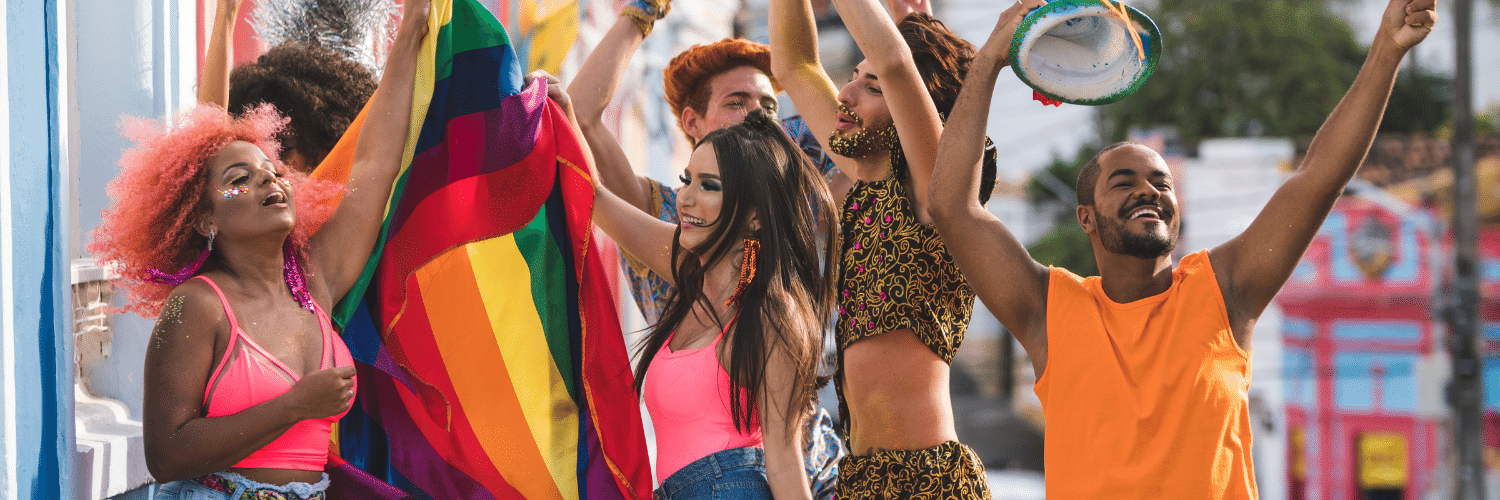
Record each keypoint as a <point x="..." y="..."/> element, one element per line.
<point x="644" y="13"/>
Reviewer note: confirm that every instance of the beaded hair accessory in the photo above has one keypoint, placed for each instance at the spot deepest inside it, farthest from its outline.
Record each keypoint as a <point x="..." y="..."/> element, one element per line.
<point x="165" y="278"/>
<point x="645" y="13"/>
<point x="291" y="271"/>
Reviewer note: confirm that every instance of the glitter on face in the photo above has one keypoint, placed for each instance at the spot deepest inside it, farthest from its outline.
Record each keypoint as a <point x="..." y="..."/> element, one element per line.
<point x="234" y="191"/>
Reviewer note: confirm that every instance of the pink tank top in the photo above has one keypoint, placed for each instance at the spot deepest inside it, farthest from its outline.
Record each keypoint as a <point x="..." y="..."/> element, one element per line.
<point x="687" y="393"/>
<point x="247" y="375"/>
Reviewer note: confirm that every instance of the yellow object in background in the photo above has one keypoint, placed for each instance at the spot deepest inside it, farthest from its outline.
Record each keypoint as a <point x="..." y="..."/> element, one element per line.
<point x="551" y="33"/>
<point x="1383" y="461"/>
<point x="1299" y="453"/>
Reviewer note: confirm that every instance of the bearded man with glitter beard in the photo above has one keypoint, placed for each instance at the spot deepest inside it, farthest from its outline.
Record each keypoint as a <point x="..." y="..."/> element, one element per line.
<point x="1143" y="372"/>
<point x="903" y="306"/>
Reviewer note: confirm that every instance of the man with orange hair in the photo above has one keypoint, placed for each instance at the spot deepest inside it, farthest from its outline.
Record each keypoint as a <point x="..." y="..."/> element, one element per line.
<point x="709" y="87"/>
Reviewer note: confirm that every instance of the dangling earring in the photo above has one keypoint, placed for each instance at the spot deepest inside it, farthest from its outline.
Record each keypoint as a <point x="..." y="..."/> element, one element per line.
<point x="291" y="273"/>
<point x="747" y="270"/>
<point x="186" y="272"/>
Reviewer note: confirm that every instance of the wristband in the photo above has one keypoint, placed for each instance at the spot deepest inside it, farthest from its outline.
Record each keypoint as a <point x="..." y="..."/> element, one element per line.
<point x="644" y="13"/>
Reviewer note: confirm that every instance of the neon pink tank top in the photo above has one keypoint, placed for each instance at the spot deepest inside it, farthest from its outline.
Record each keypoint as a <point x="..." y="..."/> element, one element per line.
<point x="687" y="393"/>
<point x="247" y="375"/>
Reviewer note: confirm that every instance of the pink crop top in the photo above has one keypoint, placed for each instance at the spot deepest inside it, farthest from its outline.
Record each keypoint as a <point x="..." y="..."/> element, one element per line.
<point x="687" y="393"/>
<point x="247" y="375"/>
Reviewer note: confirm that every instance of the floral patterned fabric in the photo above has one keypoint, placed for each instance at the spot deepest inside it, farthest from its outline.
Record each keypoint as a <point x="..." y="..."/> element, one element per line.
<point x="895" y="274"/>
<point x="237" y="487"/>
<point x="946" y="471"/>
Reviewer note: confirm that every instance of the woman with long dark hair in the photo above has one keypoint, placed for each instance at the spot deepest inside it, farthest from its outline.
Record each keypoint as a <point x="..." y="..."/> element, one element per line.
<point x="729" y="372"/>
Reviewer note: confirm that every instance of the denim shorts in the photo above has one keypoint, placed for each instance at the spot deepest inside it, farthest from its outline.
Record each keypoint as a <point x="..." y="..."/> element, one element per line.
<point x="733" y="474"/>
<point x="241" y="487"/>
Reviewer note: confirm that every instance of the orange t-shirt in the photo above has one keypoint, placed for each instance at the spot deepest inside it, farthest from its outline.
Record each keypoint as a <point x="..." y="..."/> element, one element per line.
<point x="1146" y="399"/>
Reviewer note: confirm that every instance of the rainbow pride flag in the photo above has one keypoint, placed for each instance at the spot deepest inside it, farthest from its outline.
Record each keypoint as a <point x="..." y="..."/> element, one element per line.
<point x="491" y="361"/>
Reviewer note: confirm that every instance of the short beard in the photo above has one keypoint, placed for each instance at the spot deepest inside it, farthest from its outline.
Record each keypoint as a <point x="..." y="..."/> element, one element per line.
<point x="1116" y="239"/>
<point x="865" y="143"/>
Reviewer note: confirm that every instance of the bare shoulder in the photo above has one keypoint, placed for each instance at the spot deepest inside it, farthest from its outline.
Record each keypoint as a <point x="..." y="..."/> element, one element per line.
<point x="192" y="316"/>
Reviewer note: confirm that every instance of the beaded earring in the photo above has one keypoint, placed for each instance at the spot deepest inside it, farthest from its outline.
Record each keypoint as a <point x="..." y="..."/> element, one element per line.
<point x="187" y="271"/>
<point x="747" y="270"/>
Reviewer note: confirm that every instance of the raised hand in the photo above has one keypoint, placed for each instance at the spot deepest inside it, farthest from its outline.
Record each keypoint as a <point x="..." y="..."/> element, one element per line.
<point x="414" y="13"/>
<point x="1407" y="22"/>
<point x="320" y="394"/>
<point x="998" y="45"/>
<point x="555" y="89"/>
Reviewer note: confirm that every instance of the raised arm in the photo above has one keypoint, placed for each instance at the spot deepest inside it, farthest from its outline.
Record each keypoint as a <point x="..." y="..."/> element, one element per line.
<point x="794" y="61"/>
<point x="180" y="442"/>
<point x="912" y="110"/>
<point x="213" y="84"/>
<point x="340" y="249"/>
<point x="646" y="238"/>
<point x="900" y="8"/>
<point x="998" y="268"/>
<point x="591" y="91"/>
<point x="1253" y="266"/>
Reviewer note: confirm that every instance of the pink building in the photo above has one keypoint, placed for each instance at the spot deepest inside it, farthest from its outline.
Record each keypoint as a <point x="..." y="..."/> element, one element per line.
<point x="1364" y="360"/>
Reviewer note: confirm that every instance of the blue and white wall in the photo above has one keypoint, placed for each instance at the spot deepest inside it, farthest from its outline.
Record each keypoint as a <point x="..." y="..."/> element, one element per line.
<point x="69" y="417"/>
<point x="35" y="367"/>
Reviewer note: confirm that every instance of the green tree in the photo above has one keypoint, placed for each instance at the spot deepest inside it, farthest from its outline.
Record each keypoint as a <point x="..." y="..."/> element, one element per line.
<point x="1066" y="245"/>
<point x="1421" y="102"/>
<point x="1234" y="68"/>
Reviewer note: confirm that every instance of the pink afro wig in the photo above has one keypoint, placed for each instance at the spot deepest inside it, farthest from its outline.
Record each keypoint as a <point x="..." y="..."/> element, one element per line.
<point x="159" y="195"/>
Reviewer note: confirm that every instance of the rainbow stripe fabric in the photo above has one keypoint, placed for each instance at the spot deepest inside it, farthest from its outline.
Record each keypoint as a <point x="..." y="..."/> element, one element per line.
<point x="491" y="361"/>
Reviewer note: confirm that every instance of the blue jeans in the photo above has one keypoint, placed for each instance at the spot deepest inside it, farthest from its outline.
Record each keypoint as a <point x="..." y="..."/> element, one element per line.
<point x="733" y="474"/>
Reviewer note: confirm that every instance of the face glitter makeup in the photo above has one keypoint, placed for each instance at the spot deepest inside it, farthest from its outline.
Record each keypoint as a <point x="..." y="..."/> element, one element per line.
<point x="234" y="191"/>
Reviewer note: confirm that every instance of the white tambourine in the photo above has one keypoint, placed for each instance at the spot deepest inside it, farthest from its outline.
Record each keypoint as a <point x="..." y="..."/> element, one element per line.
<point x="1085" y="51"/>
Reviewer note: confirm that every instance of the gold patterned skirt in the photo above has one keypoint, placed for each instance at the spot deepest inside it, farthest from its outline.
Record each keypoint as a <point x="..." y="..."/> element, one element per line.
<point x="946" y="471"/>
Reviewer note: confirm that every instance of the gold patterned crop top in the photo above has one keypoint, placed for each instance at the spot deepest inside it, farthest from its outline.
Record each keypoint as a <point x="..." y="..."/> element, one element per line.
<point x="895" y="273"/>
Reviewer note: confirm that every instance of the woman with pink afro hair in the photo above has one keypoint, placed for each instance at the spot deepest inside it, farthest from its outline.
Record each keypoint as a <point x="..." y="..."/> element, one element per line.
<point x="214" y="236"/>
<point x="162" y="192"/>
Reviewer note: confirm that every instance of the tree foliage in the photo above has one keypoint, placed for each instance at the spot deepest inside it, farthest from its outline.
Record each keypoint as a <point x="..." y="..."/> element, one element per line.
<point x="1066" y="245"/>
<point x="1235" y="68"/>
<point x="1421" y="102"/>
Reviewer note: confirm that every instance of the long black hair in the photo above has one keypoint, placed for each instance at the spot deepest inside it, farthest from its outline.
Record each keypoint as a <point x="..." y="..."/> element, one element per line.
<point x="788" y="304"/>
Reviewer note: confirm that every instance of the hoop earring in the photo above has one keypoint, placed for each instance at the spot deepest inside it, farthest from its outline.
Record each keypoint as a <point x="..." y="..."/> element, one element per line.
<point x="747" y="270"/>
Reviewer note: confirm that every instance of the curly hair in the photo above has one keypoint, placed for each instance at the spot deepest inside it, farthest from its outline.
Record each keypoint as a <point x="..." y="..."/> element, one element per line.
<point x="159" y="194"/>
<point x="687" y="75"/>
<point x="942" y="58"/>
<point x="320" y="90"/>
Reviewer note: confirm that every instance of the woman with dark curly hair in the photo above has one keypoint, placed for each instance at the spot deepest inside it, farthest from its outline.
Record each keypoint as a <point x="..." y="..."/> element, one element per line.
<point x="317" y="87"/>
<point x="244" y="374"/>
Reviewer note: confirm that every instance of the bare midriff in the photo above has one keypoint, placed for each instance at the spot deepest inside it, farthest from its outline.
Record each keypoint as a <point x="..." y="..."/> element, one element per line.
<point x="897" y="393"/>
<point x="279" y="477"/>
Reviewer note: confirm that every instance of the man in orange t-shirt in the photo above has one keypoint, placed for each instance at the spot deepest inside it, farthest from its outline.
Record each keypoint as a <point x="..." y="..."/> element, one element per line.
<point x="1143" y="371"/>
